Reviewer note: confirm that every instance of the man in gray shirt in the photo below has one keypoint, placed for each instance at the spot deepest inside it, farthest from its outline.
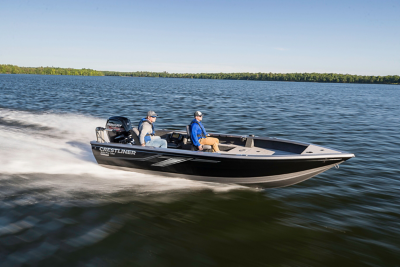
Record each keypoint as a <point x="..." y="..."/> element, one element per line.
<point x="147" y="133"/>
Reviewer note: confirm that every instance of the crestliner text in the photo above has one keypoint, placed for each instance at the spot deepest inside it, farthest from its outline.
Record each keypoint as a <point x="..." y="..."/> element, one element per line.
<point x="117" y="150"/>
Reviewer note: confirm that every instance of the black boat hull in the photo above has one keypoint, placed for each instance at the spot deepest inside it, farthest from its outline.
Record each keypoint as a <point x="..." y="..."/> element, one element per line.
<point x="272" y="171"/>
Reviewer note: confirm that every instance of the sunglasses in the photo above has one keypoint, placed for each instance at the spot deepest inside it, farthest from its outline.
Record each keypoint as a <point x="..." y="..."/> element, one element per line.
<point x="153" y="116"/>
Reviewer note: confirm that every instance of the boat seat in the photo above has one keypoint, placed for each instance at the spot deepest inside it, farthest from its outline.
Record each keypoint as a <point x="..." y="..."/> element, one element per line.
<point x="206" y="148"/>
<point x="135" y="135"/>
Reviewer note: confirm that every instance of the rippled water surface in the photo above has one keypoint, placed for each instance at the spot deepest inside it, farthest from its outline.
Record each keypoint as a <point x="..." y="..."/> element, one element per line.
<point x="59" y="208"/>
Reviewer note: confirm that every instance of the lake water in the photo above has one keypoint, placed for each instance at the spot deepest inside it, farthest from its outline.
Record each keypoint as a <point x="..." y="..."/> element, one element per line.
<point x="59" y="208"/>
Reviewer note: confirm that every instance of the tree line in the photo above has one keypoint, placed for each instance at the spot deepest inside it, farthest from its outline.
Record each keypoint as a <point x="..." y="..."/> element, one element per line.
<point x="290" y="77"/>
<point x="12" y="69"/>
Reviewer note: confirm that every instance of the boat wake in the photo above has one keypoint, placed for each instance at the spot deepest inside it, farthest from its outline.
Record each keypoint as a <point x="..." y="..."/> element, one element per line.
<point x="48" y="149"/>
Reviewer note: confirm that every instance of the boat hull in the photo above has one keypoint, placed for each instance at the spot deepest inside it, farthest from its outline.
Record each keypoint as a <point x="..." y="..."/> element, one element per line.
<point x="267" y="171"/>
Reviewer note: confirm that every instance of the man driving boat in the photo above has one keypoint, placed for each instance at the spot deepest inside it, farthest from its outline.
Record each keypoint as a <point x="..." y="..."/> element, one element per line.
<point x="199" y="136"/>
<point x="147" y="134"/>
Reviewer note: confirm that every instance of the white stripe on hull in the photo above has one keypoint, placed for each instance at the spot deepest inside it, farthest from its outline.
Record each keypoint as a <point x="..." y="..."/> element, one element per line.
<point x="170" y="161"/>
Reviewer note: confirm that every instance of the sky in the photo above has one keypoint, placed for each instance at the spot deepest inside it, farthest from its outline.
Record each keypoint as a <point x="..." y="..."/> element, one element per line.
<point x="359" y="37"/>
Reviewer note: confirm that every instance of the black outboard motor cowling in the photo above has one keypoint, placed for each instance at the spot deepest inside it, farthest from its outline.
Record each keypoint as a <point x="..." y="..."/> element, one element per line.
<point x="120" y="127"/>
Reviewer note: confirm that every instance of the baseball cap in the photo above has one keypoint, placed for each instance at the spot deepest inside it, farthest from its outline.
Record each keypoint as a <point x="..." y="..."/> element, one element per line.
<point x="198" y="113"/>
<point x="151" y="113"/>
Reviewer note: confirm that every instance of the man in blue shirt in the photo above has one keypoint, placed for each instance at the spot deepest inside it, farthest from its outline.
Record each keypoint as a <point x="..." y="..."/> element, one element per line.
<point x="199" y="136"/>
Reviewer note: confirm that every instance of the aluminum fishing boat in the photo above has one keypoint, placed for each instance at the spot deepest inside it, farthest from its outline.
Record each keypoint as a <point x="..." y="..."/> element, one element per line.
<point x="247" y="160"/>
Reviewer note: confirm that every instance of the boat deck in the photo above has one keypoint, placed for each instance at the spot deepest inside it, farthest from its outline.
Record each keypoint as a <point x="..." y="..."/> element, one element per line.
<point x="238" y="149"/>
<point x="249" y="145"/>
<point x="235" y="145"/>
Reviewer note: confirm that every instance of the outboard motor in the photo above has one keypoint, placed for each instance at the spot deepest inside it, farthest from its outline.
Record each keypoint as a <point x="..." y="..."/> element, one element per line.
<point x="118" y="129"/>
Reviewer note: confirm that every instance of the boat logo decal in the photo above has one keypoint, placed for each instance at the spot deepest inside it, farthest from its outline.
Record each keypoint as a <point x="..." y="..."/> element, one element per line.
<point x="106" y="151"/>
<point x="114" y="124"/>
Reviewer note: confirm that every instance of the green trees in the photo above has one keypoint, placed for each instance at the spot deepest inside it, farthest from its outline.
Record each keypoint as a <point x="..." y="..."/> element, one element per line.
<point x="293" y="77"/>
<point x="12" y="69"/>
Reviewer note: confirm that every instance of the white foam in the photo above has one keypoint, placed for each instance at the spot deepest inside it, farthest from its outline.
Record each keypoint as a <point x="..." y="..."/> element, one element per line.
<point x="58" y="144"/>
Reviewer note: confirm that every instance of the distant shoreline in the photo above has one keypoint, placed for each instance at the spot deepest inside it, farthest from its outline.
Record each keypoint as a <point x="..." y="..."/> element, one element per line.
<point x="288" y="77"/>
